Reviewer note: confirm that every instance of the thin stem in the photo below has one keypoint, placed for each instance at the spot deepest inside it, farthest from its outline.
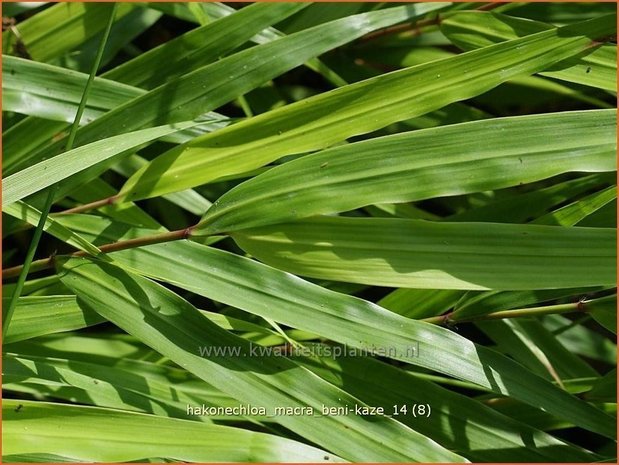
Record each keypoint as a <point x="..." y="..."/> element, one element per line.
<point x="52" y="191"/>
<point x="35" y="265"/>
<point x="91" y="78"/>
<point x="89" y="206"/>
<point x="140" y="241"/>
<point x="48" y="262"/>
<point x="452" y="318"/>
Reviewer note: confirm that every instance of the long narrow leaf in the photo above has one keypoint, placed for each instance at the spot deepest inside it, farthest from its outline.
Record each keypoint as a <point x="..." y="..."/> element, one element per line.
<point x="474" y="29"/>
<point x="31" y="215"/>
<point x="211" y="86"/>
<point x="422" y="254"/>
<point x="447" y="160"/>
<point x="48" y="172"/>
<point x="176" y="329"/>
<point x="323" y="120"/>
<point x="200" y="46"/>
<point x="33" y="428"/>
<point x="39" y="315"/>
<point x="127" y="385"/>
<point x="271" y="293"/>
<point x="381" y="384"/>
<point x="59" y="29"/>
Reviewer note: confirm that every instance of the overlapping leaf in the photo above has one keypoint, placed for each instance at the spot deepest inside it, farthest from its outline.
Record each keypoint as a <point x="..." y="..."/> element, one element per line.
<point x="406" y="204"/>
<point x="31" y="215"/>
<point x="200" y="46"/>
<point x="422" y="254"/>
<point x="59" y="29"/>
<point x="124" y="384"/>
<point x="271" y="293"/>
<point x="60" y="167"/>
<point x="359" y="108"/>
<point x="473" y="29"/>
<point x="39" y="315"/>
<point x="32" y="429"/>
<point x="208" y="87"/>
<point x="382" y="384"/>
<point x="447" y="160"/>
<point x="176" y="329"/>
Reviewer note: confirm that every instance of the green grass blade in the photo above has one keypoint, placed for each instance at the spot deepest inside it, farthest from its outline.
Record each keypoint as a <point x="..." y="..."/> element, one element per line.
<point x="605" y="217"/>
<point x="31" y="215"/>
<point x="294" y="205"/>
<point x="605" y="389"/>
<point x="420" y="303"/>
<point x="7" y="311"/>
<point x="605" y="313"/>
<point x="61" y="28"/>
<point x="107" y="349"/>
<point x="211" y="86"/>
<point x="123" y="436"/>
<point x="143" y="386"/>
<point x="220" y="10"/>
<point x="422" y="254"/>
<point x="404" y="56"/>
<point x="37" y="177"/>
<point x="422" y="164"/>
<point x="528" y="342"/>
<point x="488" y="434"/>
<point x="200" y="46"/>
<point x="474" y="29"/>
<point x="50" y="195"/>
<point x="359" y="108"/>
<point x="574" y="213"/>
<point x="22" y="139"/>
<point x="522" y="207"/>
<point x="38" y="315"/>
<point x="125" y="30"/>
<point x="135" y="304"/>
<point x="50" y="92"/>
<point x="38" y="286"/>
<point x="582" y="340"/>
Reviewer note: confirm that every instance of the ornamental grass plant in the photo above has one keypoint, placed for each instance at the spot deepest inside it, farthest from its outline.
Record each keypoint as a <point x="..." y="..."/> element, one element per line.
<point x="309" y="232"/>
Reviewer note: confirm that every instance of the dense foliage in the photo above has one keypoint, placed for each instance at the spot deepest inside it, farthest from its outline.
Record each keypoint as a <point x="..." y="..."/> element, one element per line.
<point x="309" y="232"/>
